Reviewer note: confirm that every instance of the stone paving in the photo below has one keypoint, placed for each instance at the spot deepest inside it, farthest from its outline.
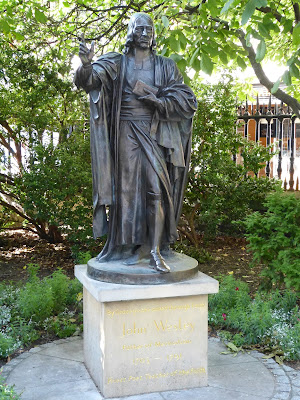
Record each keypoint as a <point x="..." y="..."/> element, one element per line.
<point x="55" y="371"/>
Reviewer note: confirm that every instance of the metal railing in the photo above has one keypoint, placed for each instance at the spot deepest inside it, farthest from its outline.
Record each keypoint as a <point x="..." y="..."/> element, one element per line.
<point x="276" y="125"/>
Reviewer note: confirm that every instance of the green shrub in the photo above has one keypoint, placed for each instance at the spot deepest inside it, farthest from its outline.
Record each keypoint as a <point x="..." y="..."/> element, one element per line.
<point x="271" y="319"/>
<point x="220" y="192"/>
<point x="8" y="345"/>
<point x="55" y="189"/>
<point x="35" y="300"/>
<point x="274" y="238"/>
<point x="62" y="325"/>
<point x="53" y="304"/>
<point x="59" y="284"/>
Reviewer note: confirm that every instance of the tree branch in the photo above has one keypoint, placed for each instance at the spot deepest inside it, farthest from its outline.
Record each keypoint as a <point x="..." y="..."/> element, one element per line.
<point x="6" y="204"/>
<point x="297" y="12"/>
<point x="269" y="10"/>
<point x="264" y="80"/>
<point x="6" y="145"/>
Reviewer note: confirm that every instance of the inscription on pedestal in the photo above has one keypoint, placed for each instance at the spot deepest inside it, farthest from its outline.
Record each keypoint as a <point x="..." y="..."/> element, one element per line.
<point x="155" y="344"/>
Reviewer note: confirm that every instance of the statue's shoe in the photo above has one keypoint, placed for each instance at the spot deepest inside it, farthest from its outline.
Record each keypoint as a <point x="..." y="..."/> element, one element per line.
<point x="158" y="262"/>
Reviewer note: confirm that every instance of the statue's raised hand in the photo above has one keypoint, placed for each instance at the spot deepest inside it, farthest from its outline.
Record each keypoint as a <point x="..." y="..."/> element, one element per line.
<point x="86" y="54"/>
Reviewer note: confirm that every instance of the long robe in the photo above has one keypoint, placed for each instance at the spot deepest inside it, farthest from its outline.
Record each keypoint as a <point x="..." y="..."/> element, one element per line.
<point x="170" y="130"/>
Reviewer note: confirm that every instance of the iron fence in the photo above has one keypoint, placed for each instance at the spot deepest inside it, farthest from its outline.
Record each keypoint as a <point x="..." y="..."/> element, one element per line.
<point x="274" y="125"/>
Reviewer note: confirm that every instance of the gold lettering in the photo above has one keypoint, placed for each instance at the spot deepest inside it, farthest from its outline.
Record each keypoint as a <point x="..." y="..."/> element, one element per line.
<point x="183" y="307"/>
<point x="127" y="331"/>
<point x="116" y="380"/>
<point x="166" y="326"/>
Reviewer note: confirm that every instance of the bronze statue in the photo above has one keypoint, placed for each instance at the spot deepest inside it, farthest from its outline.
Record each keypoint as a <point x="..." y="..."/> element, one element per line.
<point x="141" y="118"/>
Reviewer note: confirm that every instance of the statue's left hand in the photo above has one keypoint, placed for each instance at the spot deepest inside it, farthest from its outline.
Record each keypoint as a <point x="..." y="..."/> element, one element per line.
<point x="151" y="99"/>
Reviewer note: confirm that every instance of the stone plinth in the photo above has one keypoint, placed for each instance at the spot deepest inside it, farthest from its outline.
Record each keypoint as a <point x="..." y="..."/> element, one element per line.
<point x="142" y="339"/>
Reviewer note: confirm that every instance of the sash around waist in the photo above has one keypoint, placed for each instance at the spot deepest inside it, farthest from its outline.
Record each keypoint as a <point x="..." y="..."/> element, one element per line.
<point x="136" y="114"/>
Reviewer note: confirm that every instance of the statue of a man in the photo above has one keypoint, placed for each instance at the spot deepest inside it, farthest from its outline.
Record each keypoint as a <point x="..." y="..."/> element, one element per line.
<point x="141" y="118"/>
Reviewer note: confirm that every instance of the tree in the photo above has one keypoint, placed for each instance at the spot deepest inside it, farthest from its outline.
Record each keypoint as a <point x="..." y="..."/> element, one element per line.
<point x="198" y="35"/>
<point x="39" y="107"/>
<point x="202" y="35"/>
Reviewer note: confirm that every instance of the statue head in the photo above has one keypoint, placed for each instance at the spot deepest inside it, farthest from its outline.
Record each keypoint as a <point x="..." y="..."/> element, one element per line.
<point x="140" y="33"/>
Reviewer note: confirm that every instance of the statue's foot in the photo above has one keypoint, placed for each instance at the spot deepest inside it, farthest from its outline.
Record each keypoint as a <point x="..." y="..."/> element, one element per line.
<point x="158" y="262"/>
<point x="132" y="260"/>
<point x="138" y="255"/>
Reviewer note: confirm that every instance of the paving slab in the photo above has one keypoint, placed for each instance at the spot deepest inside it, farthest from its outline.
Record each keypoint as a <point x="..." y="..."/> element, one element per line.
<point x="56" y="372"/>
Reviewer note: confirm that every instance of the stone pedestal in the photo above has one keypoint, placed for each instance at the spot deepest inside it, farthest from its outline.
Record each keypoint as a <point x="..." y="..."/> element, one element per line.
<point x="142" y="339"/>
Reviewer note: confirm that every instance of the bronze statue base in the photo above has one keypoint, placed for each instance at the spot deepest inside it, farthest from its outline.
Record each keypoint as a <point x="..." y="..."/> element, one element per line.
<point x="182" y="268"/>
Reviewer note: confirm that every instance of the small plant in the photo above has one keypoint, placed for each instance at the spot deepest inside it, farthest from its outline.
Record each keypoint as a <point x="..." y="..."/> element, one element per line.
<point x="35" y="300"/>
<point x="271" y="320"/>
<point x="7" y="392"/>
<point x="53" y="305"/>
<point x="274" y="238"/>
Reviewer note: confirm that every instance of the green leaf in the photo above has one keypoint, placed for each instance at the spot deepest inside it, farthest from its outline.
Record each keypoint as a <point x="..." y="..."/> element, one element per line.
<point x="183" y="40"/>
<point x="194" y="57"/>
<point x="286" y="77"/>
<point x="206" y="64"/>
<point x="213" y="8"/>
<point x="174" y="44"/>
<point x="279" y="360"/>
<point x="232" y="347"/>
<point x="256" y="35"/>
<point x="275" y="86"/>
<point x="40" y="16"/>
<point x="294" y="71"/>
<point x="288" y="24"/>
<point x="223" y="57"/>
<point x="296" y="35"/>
<point x="182" y="64"/>
<point x="248" y="40"/>
<point x="165" y="21"/>
<point x="261" y="3"/>
<point x="241" y="63"/>
<point x="271" y="355"/>
<point x="213" y="51"/>
<point x="290" y="61"/>
<point x="4" y="26"/>
<point x="261" y="51"/>
<point x="176" y="57"/>
<point x="248" y="12"/>
<point x="9" y="11"/>
<point x="29" y="13"/>
<point x="226" y="6"/>
<point x="264" y="31"/>
<point x="18" y="35"/>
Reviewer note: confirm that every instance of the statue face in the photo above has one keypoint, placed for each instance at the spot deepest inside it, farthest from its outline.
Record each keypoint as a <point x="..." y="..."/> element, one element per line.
<point x="142" y="34"/>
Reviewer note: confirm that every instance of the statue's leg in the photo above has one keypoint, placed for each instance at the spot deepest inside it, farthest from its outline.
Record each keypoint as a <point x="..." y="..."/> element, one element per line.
<point x="155" y="222"/>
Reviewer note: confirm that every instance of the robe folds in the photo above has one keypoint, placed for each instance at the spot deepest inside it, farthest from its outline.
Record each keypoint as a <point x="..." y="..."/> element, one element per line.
<point x="165" y="143"/>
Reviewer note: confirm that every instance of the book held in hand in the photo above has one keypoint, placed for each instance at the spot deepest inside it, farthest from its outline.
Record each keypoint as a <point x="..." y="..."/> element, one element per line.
<point x="140" y="86"/>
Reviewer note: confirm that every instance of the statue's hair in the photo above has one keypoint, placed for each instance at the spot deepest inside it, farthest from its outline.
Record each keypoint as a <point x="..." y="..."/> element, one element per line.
<point x="131" y="26"/>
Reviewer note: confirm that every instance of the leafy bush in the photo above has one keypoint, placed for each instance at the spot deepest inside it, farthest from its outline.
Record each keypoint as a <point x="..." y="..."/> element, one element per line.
<point x="274" y="238"/>
<point x="219" y="191"/>
<point x="35" y="300"/>
<point x="55" y="190"/>
<point x="271" y="319"/>
<point x="53" y="304"/>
